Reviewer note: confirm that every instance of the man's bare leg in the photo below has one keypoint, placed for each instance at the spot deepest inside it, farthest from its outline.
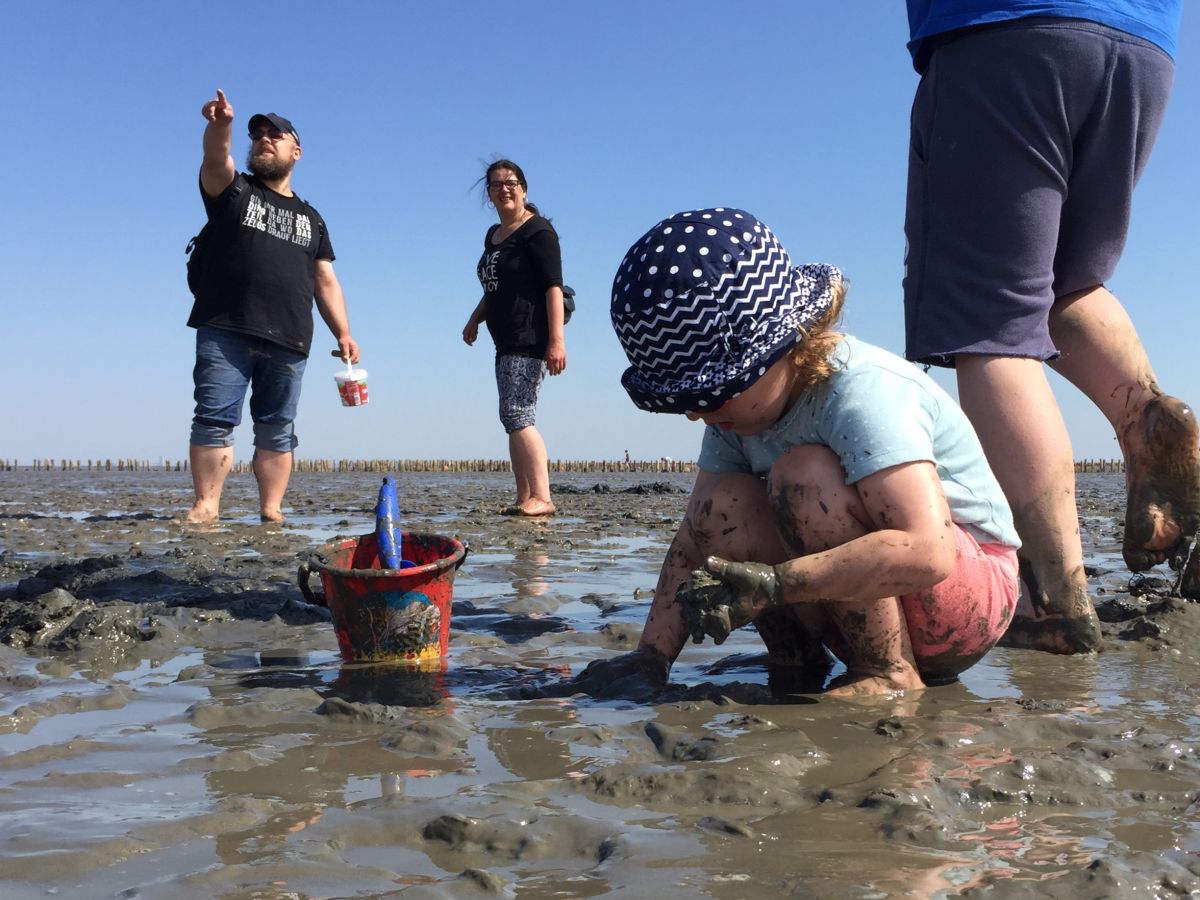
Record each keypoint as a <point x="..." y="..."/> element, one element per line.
<point x="272" y="470"/>
<point x="209" y="467"/>
<point x="1157" y="433"/>
<point x="1012" y="407"/>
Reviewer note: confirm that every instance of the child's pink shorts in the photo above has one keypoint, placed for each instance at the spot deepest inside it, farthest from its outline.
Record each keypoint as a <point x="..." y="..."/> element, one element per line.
<point x="955" y="622"/>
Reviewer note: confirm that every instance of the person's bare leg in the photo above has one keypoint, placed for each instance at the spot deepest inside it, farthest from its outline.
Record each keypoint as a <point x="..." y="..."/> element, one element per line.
<point x="1011" y="405"/>
<point x="814" y="510"/>
<point x="1157" y="433"/>
<point x="528" y="453"/>
<point x="729" y="516"/>
<point x="272" y="470"/>
<point x="209" y="467"/>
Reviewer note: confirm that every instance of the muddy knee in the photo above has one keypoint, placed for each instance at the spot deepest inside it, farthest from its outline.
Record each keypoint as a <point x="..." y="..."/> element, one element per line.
<point x="812" y="506"/>
<point x="729" y="516"/>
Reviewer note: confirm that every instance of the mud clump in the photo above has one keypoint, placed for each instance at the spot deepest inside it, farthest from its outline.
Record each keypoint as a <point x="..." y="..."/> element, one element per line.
<point x="56" y="620"/>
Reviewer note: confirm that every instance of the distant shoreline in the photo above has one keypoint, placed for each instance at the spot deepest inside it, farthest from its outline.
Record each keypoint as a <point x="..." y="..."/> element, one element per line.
<point x="665" y="464"/>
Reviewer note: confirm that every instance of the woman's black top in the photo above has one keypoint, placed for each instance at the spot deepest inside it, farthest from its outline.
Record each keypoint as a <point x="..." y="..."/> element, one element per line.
<point x="515" y="275"/>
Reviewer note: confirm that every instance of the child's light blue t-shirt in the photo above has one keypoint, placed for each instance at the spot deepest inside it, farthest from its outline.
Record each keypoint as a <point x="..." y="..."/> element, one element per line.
<point x="876" y="411"/>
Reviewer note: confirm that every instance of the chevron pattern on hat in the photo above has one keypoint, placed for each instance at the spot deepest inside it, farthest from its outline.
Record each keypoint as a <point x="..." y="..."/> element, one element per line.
<point x="705" y="302"/>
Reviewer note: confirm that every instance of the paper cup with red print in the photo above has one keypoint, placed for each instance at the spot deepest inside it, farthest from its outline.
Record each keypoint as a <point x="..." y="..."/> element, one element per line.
<point x="352" y="386"/>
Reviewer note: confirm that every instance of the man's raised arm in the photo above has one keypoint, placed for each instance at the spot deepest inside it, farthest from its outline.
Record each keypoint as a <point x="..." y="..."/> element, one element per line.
<point x="217" y="170"/>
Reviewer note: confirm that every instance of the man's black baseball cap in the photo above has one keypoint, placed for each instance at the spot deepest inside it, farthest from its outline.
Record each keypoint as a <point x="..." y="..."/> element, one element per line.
<point x="271" y="119"/>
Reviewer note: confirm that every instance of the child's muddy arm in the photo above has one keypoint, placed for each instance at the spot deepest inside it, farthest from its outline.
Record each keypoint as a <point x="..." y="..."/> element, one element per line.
<point x="912" y="547"/>
<point x="665" y="631"/>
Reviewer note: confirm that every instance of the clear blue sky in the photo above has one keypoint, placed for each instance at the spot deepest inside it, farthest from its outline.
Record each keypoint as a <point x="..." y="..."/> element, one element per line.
<point x="619" y="112"/>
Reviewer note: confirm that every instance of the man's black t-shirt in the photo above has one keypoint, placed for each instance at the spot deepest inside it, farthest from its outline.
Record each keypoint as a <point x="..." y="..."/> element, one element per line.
<point x="515" y="275"/>
<point x="259" y="277"/>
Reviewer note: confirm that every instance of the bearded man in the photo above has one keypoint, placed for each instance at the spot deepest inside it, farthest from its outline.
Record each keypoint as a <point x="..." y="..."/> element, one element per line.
<point x="267" y="255"/>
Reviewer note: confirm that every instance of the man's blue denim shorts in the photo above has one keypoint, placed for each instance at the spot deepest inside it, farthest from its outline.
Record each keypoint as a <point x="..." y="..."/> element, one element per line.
<point x="227" y="363"/>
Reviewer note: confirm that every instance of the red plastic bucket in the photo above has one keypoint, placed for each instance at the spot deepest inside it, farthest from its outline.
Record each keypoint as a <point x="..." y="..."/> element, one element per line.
<point x="388" y="615"/>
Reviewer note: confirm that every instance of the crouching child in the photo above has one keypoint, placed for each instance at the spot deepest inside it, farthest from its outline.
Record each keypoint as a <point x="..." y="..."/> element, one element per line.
<point x="843" y="503"/>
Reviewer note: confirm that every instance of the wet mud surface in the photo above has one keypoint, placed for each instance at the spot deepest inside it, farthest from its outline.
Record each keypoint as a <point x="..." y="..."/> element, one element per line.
<point x="176" y="721"/>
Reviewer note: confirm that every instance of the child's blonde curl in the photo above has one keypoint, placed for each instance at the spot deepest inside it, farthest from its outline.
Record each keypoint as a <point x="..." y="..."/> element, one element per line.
<point x="813" y="352"/>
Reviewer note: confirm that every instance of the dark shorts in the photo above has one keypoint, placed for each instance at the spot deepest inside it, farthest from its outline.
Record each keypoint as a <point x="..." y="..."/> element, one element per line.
<point x="1027" y="140"/>
<point x="519" y="380"/>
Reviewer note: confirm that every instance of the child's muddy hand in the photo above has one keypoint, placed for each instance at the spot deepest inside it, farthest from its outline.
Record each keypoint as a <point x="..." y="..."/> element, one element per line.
<point x="704" y="606"/>
<point x="750" y="588"/>
<point x="723" y="596"/>
<point x="753" y="583"/>
<point x="636" y="675"/>
<point x="716" y="622"/>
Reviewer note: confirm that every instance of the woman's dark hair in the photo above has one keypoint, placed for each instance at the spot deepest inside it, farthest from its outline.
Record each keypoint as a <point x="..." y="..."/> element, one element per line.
<point x="505" y="164"/>
<point x="501" y="164"/>
<point x="516" y="170"/>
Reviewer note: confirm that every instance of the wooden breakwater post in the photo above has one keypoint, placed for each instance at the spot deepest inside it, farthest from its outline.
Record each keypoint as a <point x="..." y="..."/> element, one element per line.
<point x="385" y="466"/>
<point x="484" y="466"/>
<point x="1099" y="466"/>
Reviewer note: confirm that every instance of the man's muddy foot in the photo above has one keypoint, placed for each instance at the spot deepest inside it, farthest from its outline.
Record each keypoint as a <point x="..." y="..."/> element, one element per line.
<point x="1054" y="612"/>
<point x="272" y="518"/>
<point x="1054" y="634"/>
<point x="1162" y="477"/>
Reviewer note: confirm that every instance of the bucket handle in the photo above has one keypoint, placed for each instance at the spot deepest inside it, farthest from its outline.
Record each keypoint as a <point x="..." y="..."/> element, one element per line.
<point x="303" y="573"/>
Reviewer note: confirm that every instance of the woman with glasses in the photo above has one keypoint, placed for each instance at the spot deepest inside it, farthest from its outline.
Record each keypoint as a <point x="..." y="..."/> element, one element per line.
<point x="521" y="275"/>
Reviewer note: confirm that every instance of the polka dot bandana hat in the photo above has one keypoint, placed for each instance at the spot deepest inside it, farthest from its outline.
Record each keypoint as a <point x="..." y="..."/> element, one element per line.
<point x="705" y="302"/>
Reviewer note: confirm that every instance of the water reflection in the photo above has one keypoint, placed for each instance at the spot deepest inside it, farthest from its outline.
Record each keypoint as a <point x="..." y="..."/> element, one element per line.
<point x="388" y="684"/>
<point x="529" y="580"/>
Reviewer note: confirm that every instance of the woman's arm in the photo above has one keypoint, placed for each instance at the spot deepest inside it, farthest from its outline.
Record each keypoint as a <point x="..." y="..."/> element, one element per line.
<point x="471" y="329"/>
<point x="556" y="349"/>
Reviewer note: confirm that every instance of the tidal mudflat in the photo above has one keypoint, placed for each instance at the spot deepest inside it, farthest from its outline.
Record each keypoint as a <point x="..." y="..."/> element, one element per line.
<point x="176" y="722"/>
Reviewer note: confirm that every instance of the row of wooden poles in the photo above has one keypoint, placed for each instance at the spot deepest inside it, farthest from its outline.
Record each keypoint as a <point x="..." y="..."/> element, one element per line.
<point x="362" y="465"/>
<point x="1099" y="465"/>
<point x="424" y="465"/>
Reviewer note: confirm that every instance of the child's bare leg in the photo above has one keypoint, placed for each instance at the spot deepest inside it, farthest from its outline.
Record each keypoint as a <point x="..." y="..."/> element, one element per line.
<point x="880" y="655"/>
<point x="1157" y="433"/>
<point x="815" y="510"/>
<point x="793" y="637"/>
<point x="728" y="516"/>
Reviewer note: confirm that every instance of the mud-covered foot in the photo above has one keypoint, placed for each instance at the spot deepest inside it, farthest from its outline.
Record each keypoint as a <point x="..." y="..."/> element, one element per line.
<point x="202" y="514"/>
<point x="1062" y="621"/>
<point x="531" y="508"/>
<point x="1189" y="576"/>
<point x="1162" y="477"/>
<point x="274" y="517"/>
<point x="854" y="685"/>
